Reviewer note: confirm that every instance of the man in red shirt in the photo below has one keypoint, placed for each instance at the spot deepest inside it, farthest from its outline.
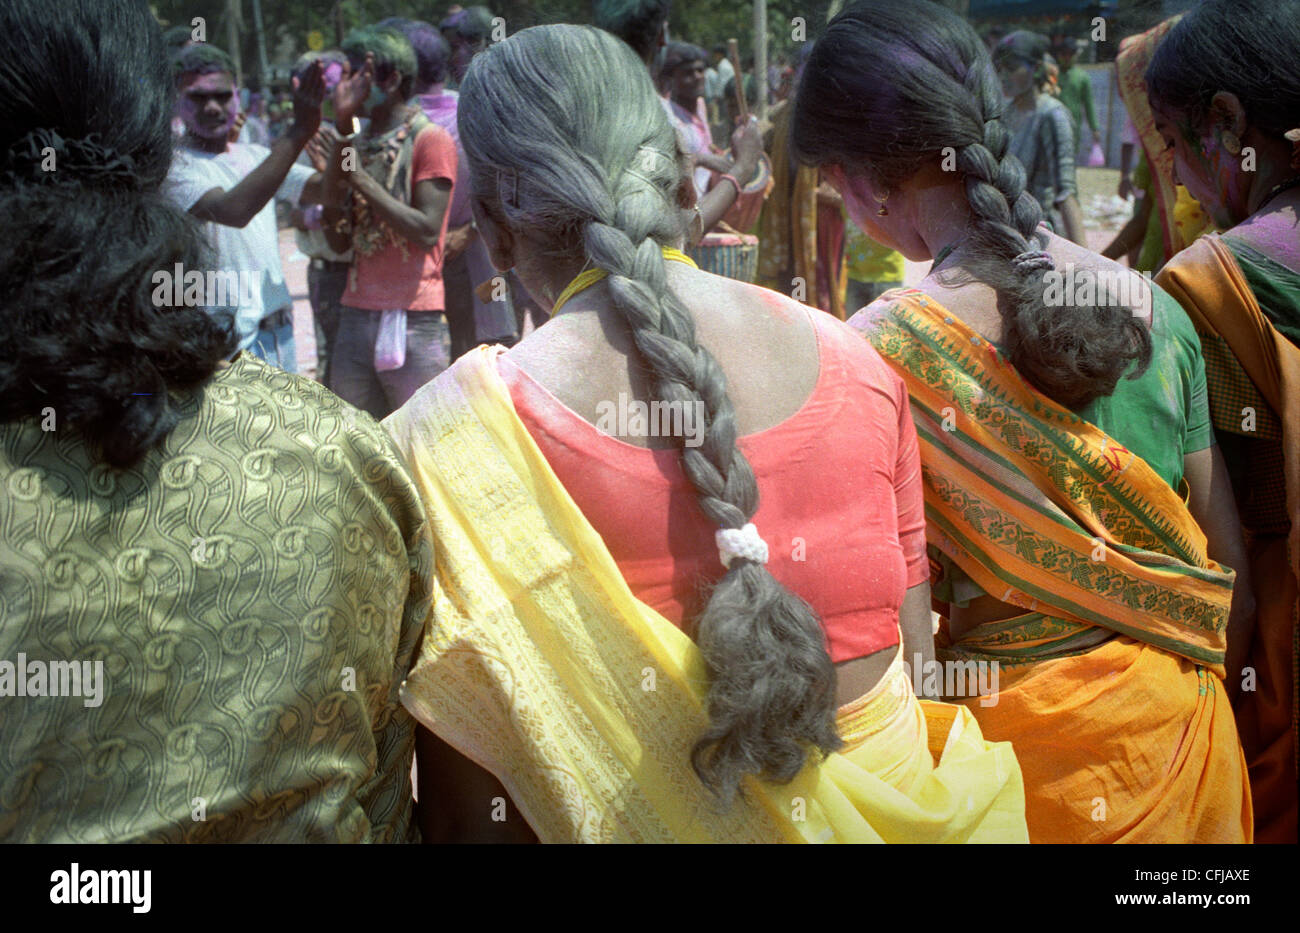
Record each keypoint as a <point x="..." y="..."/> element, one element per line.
<point x="387" y="190"/>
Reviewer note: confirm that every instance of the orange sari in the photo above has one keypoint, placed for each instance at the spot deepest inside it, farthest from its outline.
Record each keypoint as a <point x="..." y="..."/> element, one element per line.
<point x="1129" y="741"/>
<point x="1207" y="280"/>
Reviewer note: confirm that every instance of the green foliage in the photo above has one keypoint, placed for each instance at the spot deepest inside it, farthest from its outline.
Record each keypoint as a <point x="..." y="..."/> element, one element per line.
<point x="287" y="22"/>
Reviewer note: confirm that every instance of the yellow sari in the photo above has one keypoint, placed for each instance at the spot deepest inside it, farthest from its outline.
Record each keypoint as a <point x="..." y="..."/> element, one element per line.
<point x="1129" y="741"/>
<point x="795" y="232"/>
<point x="539" y="664"/>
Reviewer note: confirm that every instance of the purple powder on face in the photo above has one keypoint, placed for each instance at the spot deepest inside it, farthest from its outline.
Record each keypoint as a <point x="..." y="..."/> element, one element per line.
<point x="190" y="114"/>
<point x="333" y="75"/>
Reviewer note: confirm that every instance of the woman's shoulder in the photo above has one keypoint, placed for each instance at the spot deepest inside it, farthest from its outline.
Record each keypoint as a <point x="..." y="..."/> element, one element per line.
<point x="252" y="405"/>
<point x="1174" y="336"/>
<point x="899" y="305"/>
<point x="1168" y="315"/>
<point x="1194" y="255"/>
<point x="1053" y="116"/>
<point x="850" y="338"/>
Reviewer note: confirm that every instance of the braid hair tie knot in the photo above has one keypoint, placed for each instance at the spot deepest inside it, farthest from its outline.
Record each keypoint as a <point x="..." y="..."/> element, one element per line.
<point x="85" y="159"/>
<point x="740" y="542"/>
<point x="1033" y="260"/>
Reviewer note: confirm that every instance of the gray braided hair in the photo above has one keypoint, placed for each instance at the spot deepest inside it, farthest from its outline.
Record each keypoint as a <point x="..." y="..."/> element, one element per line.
<point x="549" y="153"/>
<point x="889" y="87"/>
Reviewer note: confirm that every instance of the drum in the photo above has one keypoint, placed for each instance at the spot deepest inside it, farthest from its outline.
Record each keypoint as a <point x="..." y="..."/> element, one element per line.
<point x="743" y="214"/>
<point x="734" y="255"/>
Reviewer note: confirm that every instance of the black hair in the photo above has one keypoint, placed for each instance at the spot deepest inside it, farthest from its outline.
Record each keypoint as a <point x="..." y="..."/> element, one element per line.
<point x="392" y="52"/>
<point x="639" y="23"/>
<point x="177" y="37"/>
<point x="677" y="54"/>
<point x="432" y="53"/>
<point x="201" y="58"/>
<point x="305" y="61"/>
<point x="1028" y="47"/>
<point x="82" y="334"/>
<point x="889" y="87"/>
<point x="1248" y="47"/>
<point x="473" y="24"/>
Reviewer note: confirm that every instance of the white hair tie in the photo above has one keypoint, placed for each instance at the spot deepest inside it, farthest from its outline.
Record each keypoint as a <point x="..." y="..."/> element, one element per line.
<point x="740" y="542"/>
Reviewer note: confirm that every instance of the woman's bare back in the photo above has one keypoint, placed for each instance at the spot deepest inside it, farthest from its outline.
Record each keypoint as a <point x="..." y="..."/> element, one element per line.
<point x="763" y="341"/>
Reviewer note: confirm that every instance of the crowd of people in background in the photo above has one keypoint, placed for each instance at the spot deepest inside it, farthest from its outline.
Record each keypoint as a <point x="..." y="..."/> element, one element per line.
<point x="805" y="241"/>
<point x="444" y="550"/>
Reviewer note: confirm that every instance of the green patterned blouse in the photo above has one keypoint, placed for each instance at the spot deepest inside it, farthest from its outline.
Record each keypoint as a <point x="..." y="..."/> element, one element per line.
<point x="208" y="646"/>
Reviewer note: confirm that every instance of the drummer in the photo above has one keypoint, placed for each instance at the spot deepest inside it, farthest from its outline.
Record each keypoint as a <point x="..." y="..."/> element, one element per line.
<point x="682" y="73"/>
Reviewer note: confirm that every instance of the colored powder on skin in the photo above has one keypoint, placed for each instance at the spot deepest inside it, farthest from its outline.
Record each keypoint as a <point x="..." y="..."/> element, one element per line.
<point x="778" y="307"/>
<point x="189" y="114"/>
<point x="333" y="75"/>
<point x="1226" y="172"/>
<point x="1212" y="177"/>
<point x="1222" y="169"/>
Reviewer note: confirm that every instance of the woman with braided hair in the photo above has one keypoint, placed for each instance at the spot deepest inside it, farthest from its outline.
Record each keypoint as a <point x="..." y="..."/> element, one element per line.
<point x="1054" y="430"/>
<point x="612" y="638"/>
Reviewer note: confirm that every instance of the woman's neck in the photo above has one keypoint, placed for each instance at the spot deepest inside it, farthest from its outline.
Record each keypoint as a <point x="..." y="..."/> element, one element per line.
<point x="546" y="275"/>
<point x="942" y="216"/>
<point x="1271" y="173"/>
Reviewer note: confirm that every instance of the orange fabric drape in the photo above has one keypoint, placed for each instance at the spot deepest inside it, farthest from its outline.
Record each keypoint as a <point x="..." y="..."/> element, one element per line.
<point x="1207" y="281"/>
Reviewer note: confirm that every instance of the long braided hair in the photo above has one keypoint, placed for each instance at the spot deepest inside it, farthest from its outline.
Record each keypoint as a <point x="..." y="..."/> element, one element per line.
<point x="550" y="153"/>
<point x="893" y="85"/>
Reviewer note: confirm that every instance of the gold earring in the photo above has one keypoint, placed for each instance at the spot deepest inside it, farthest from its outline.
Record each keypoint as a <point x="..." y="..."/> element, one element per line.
<point x="1231" y="142"/>
<point x="884" y="211"/>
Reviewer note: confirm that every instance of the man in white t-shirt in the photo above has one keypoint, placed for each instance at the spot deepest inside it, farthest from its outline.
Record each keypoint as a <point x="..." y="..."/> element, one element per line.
<point x="231" y="185"/>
